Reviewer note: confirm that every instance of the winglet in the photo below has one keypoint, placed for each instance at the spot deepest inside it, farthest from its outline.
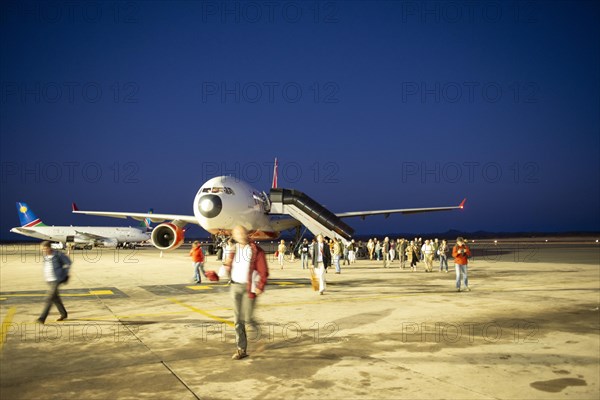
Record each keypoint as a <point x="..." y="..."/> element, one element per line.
<point x="462" y="203"/>
<point x="74" y="207"/>
<point x="274" y="185"/>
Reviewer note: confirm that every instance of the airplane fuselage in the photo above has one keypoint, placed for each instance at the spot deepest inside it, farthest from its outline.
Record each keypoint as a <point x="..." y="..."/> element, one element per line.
<point x="224" y="202"/>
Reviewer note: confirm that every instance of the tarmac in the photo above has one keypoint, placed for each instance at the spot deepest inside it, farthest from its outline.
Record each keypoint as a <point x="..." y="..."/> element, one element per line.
<point x="138" y="327"/>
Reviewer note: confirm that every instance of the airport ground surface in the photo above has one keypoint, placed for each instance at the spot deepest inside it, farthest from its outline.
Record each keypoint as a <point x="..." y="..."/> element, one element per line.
<point x="139" y="328"/>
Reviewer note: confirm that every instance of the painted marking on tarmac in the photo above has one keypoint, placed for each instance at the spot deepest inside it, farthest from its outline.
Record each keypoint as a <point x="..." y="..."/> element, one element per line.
<point x="215" y="287"/>
<point x="319" y="300"/>
<point x="202" y="312"/>
<point x="101" y="292"/>
<point x="288" y="283"/>
<point x="83" y="294"/>
<point x="5" y="324"/>
<point x="210" y="287"/>
<point x="115" y="318"/>
<point x="88" y="294"/>
<point x="199" y="287"/>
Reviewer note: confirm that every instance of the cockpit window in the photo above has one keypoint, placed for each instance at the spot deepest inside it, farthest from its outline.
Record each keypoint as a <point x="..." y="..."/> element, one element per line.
<point x="218" y="189"/>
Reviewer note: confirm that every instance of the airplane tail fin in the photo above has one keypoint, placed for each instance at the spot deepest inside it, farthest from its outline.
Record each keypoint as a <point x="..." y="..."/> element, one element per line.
<point x="27" y="217"/>
<point x="274" y="185"/>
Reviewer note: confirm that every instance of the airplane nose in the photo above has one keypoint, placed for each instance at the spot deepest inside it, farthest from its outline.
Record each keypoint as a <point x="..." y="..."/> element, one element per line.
<point x="210" y="205"/>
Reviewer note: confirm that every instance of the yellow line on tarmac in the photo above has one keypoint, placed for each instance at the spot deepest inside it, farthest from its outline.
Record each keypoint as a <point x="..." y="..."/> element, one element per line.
<point x="113" y="317"/>
<point x="90" y="293"/>
<point x="288" y="283"/>
<point x="202" y="312"/>
<point x="5" y="324"/>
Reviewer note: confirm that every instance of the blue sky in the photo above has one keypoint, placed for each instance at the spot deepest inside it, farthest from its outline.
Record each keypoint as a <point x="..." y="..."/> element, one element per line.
<point x="125" y="106"/>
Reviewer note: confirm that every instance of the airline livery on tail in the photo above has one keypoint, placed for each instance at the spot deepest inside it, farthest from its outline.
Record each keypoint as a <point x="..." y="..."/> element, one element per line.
<point x="106" y="236"/>
<point x="223" y="202"/>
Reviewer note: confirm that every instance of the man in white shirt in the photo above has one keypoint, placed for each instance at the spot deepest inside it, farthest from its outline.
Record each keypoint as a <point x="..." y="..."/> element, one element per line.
<point x="428" y="251"/>
<point x="249" y="271"/>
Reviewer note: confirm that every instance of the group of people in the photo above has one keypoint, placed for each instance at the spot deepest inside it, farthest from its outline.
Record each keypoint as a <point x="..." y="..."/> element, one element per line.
<point x="247" y="267"/>
<point x="410" y="252"/>
<point x="340" y="252"/>
<point x="429" y="251"/>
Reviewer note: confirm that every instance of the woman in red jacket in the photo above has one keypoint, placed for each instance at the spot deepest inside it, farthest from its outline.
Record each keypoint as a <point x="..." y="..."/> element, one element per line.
<point x="197" y="261"/>
<point x="461" y="254"/>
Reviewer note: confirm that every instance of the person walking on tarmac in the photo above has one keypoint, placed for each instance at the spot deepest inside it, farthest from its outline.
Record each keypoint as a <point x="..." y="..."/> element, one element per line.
<point x="197" y="261"/>
<point x="321" y="260"/>
<point x="461" y="254"/>
<point x="304" y="252"/>
<point x="56" y="271"/>
<point x="247" y="266"/>
<point x="385" y="252"/>
<point x="338" y="252"/>
<point x="281" y="249"/>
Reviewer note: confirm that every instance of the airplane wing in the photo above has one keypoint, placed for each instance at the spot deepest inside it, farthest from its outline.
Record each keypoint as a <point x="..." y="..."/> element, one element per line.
<point x="178" y="220"/>
<point x="364" y="214"/>
<point x="90" y="236"/>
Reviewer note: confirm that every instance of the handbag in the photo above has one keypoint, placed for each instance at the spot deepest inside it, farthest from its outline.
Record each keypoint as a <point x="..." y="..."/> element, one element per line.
<point x="314" y="281"/>
<point x="212" y="276"/>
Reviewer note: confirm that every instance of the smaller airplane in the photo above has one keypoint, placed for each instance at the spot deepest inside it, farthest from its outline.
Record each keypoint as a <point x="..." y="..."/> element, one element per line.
<point x="86" y="236"/>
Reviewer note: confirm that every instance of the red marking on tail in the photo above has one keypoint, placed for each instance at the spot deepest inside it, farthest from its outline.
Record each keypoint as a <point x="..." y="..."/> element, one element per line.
<point x="274" y="185"/>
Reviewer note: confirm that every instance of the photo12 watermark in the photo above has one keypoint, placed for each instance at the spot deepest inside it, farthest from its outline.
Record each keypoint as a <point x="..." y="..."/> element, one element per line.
<point x="504" y="251"/>
<point x="516" y="332"/>
<point x="103" y="13"/>
<point x="290" y="172"/>
<point x="68" y="92"/>
<point x="270" y="92"/>
<point x="470" y="92"/>
<point x="89" y="252"/>
<point x="471" y="172"/>
<point x="71" y="172"/>
<point x="270" y="12"/>
<point x="70" y="333"/>
<point x="469" y="12"/>
<point x="290" y="332"/>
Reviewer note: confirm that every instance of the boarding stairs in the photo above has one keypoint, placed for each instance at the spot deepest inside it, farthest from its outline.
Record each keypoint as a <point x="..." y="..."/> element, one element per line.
<point x="310" y="213"/>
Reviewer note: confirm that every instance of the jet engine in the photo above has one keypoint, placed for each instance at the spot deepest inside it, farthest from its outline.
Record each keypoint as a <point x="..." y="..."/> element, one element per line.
<point x="167" y="236"/>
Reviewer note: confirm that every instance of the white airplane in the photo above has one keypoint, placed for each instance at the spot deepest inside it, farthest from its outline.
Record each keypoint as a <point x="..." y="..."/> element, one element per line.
<point x="223" y="202"/>
<point x="103" y="236"/>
